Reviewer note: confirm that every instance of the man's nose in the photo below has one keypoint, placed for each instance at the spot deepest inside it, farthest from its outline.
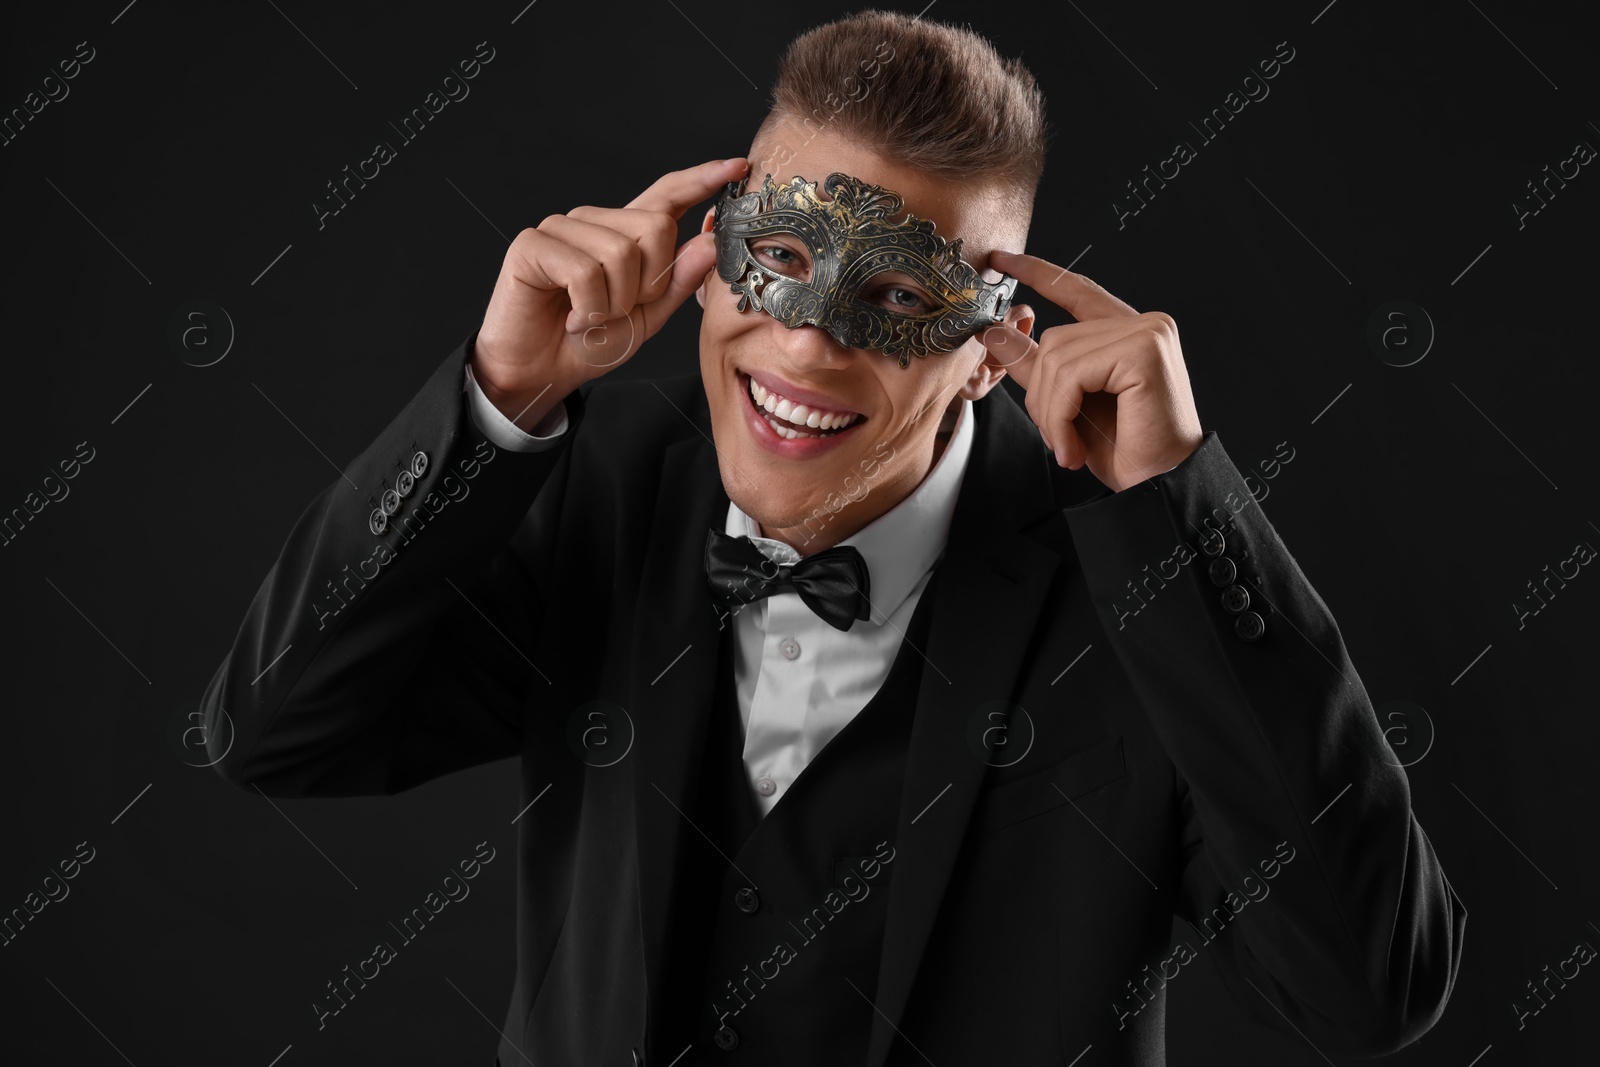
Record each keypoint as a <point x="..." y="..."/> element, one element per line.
<point x="808" y="344"/>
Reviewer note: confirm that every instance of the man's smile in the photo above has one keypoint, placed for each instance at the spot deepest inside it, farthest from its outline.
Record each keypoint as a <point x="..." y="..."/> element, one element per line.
<point x="793" y="421"/>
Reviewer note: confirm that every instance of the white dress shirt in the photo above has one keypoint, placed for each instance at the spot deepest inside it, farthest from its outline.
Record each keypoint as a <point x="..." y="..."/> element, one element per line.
<point x="799" y="681"/>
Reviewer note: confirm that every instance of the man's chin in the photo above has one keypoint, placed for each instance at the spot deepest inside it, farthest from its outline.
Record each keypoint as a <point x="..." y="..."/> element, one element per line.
<point x="786" y="514"/>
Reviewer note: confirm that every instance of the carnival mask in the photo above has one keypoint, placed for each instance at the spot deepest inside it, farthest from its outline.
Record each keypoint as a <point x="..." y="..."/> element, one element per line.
<point x="849" y="239"/>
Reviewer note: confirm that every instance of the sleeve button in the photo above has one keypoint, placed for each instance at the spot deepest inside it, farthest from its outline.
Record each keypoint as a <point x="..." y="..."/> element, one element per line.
<point x="1249" y="626"/>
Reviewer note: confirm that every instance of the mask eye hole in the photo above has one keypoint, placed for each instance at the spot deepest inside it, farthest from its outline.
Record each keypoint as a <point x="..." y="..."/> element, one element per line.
<point x="899" y="294"/>
<point x="903" y="297"/>
<point x="780" y="257"/>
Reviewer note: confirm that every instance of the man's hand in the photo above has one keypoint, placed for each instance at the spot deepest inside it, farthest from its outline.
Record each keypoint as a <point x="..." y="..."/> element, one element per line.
<point x="579" y="293"/>
<point x="1109" y="390"/>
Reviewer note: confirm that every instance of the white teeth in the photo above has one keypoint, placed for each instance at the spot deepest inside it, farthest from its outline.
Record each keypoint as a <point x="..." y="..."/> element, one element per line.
<point x="783" y="430"/>
<point x="795" y="415"/>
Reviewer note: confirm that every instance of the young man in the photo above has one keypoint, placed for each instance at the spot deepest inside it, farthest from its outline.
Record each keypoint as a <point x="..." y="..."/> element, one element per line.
<point x="863" y="726"/>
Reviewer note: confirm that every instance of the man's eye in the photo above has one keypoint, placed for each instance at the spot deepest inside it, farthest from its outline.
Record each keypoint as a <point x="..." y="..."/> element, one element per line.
<point x="903" y="299"/>
<point x="779" y="255"/>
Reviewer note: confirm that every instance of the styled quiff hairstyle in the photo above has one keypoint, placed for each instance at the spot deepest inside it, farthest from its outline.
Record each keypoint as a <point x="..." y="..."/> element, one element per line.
<point x="926" y="95"/>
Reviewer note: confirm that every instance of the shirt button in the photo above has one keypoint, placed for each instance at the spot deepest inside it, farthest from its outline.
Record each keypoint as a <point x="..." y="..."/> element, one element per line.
<point x="790" y="648"/>
<point x="747" y="901"/>
<point x="766" y="786"/>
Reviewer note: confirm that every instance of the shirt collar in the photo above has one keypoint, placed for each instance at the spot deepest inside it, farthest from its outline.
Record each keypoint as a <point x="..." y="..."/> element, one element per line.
<point x="900" y="545"/>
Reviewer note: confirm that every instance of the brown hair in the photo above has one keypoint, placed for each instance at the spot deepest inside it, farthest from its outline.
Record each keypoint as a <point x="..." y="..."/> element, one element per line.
<point x="923" y="94"/>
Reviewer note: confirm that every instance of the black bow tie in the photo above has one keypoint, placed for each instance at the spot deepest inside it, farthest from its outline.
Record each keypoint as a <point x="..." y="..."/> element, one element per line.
<point x="832" y="583"/>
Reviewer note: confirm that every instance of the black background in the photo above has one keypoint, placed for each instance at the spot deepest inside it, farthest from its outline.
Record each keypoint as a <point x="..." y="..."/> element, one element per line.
<point x="1382" y="166"/>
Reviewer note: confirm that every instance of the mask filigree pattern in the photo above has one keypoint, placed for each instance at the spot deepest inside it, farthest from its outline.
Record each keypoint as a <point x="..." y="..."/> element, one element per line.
<point x="850" y="239"/>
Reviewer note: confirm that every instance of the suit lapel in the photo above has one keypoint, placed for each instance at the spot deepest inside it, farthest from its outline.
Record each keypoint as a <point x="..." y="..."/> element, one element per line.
<point x="990" y="590"/>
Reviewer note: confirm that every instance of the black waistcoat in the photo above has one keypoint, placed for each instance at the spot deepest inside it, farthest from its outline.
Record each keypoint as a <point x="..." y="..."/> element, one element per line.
<point x="779" y="921"/>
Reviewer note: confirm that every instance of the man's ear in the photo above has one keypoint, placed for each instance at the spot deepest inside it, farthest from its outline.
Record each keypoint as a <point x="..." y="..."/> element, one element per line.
<point x="705" y="227"/>
<point x="988" y="371"/>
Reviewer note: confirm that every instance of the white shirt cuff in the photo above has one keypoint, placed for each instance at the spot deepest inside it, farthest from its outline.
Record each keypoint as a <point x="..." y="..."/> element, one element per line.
<point x="504" y="433"/>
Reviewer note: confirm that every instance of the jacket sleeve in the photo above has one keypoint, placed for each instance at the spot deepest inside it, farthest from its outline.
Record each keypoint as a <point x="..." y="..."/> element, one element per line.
<point x="1305" y="874"/>
<point x="390" y="643"/>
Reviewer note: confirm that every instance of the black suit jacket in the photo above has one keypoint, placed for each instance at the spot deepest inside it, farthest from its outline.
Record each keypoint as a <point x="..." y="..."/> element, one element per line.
<point x="1171" y="766"/>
